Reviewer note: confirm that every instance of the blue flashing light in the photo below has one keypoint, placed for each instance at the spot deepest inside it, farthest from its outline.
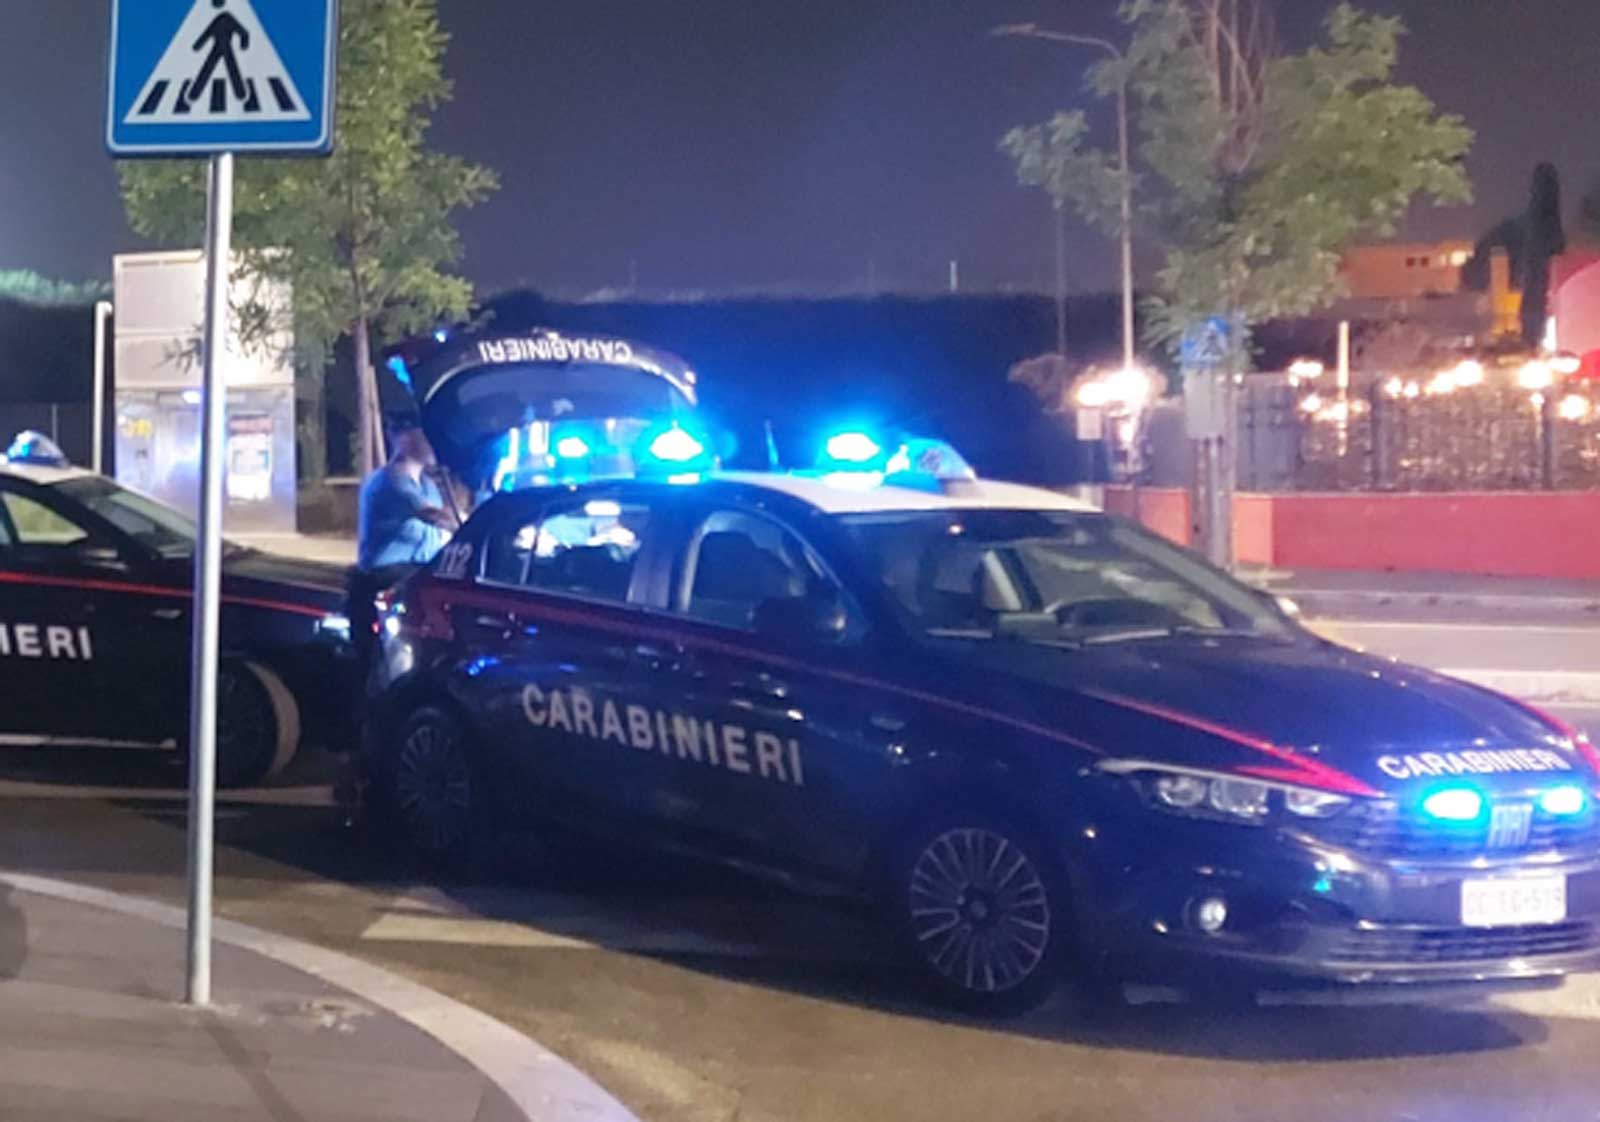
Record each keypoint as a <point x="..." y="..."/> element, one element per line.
<point x="505" y="473"/>
<point x="32" y="447"/>
<point x="572" y="448"/>
<point x="441" y="336"/>
<point x="1566" y="801"/>
<point x="1454" y="804"/>
<point x="1323" y="885"/>
<point x="676" y="446"/>
<point x="852" y="447"/>
<point x="402" y="373"/>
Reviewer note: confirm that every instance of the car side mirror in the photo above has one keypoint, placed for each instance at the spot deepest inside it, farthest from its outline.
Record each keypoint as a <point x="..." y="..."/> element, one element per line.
<point x="1282" y="604"/>
<point x="804" y="619"/>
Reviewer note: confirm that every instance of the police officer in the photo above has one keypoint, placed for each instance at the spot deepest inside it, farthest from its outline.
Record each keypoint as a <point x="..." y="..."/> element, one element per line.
<point x="404" y="522"/>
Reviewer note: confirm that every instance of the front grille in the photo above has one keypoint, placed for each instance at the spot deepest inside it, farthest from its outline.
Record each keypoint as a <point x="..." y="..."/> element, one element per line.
<point x="1382" y="829"/>
<point x="1415" y="946"/>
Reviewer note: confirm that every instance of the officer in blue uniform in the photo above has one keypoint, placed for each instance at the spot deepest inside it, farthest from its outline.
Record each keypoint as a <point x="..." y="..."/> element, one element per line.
<point x="404" y="522"/>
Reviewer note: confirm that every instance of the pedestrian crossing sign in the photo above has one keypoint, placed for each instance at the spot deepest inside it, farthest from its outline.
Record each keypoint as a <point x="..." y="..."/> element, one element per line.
<point x="197" y="77"/>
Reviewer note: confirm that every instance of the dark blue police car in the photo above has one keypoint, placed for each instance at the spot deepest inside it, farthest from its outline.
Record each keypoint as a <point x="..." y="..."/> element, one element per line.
<point x="95" y="590"/>
<point x="1045" y="740"/>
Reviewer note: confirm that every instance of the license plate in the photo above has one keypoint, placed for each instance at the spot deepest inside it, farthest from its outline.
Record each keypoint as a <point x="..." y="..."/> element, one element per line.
<point x="1513" y="902"/>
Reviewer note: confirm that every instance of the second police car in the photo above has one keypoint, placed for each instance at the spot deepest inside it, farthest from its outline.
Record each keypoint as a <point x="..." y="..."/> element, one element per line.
<point x="1046" y="741"/>
<point x="96" y="583"/>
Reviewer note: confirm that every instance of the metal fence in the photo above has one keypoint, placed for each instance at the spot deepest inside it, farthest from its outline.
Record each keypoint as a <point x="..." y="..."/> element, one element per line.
<point x="1398" y="437"/>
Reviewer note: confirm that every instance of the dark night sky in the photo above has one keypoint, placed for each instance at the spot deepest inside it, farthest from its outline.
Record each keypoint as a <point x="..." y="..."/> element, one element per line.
<point x="736" y="144"/>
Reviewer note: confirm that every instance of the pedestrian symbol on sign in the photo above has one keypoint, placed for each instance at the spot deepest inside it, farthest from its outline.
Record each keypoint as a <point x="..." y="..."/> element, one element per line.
<point x="220" y="67"/>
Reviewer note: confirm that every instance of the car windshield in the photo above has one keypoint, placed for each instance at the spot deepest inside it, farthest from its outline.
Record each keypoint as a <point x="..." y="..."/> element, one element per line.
<point x="1051" y="577"/>
<point x="151" y="524"/>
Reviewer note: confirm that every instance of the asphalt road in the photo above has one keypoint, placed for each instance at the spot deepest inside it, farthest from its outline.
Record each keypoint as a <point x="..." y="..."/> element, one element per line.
<point x="698" y="995"/>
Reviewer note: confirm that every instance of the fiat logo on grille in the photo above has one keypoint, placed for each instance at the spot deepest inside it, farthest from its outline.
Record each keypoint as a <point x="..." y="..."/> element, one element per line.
<point x="1510" y="825"/>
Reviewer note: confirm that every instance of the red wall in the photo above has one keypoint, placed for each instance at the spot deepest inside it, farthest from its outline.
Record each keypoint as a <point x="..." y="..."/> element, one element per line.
<point x="1519" y="534"/>
<point x="1526" y="534"/>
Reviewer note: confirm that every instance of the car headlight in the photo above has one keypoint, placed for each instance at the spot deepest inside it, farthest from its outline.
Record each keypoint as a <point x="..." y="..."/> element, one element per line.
<point x="336" y="625"/>
<point x="1221" y="797"/>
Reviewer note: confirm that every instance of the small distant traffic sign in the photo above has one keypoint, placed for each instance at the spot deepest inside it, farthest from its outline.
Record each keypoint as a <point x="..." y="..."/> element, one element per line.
<point x="1206" y="345"/>
<point x="195" y="77"/>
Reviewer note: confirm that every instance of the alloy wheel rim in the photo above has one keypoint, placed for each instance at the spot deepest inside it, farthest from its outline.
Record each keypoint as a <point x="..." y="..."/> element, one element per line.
<point x="980" y="912"/>
<point x="433" y="790"/>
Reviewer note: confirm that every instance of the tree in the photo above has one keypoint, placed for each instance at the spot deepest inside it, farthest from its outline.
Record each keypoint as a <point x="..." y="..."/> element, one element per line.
<point x="364" y="237"/>
<point x="28" y="287"/>
<point x="1259" y="168"/>
<point x="1544" y="238"/>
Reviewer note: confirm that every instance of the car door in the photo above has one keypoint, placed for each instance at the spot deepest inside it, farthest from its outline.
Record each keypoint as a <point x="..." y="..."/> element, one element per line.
<point x="548" y="637"/>
<point x="73" y="627"/>
<point x="795" y="745"/>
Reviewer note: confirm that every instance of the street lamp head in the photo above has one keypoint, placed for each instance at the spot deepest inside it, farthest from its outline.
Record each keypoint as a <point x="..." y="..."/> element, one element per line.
<point x="1007" y="29"/>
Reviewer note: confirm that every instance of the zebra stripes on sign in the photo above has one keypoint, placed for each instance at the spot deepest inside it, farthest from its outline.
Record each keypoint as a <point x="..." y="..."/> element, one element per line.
<point x="221" y="66"/>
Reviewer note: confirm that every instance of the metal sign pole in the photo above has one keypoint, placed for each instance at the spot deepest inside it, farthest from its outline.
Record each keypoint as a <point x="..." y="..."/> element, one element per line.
<point x="102" y="317"/>
<point x="208" y="581"/>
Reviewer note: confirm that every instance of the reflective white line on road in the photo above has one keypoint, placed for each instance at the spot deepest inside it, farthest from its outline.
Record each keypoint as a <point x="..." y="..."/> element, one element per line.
<point x="534" y="920"/>
<point x="502" y="933"/>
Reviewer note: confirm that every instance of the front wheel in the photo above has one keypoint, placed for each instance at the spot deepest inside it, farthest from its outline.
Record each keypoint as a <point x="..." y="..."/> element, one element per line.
<point x="428" y="790"/>
<point x="982" y="914"/>
<point x="258" y="724"/>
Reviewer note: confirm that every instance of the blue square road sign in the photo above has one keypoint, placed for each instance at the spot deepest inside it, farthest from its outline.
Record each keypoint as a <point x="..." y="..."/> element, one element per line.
<point x="197" y="77"/>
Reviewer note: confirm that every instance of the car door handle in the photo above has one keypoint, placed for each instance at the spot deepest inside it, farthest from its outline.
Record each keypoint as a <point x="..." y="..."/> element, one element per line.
<point x="168" y="613"/>
<point x="495" y="622"/>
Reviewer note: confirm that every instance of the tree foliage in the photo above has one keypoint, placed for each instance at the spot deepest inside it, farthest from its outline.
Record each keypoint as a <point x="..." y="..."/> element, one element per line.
<point x="365" y="237"/>
<point x="1258" y="168"/>
<point x="28" y="287"/>
<point x="1545" y="239"/>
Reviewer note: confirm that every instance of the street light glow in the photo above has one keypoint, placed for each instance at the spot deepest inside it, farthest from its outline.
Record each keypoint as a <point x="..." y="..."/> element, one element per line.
<point x="1536" y="375"/>
<point x="1575" y="407"/>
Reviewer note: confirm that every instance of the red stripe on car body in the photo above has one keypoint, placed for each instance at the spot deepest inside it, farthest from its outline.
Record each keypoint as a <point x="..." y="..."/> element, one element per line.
<point x="89" y="584"/>
<point x="1296" y="768"/>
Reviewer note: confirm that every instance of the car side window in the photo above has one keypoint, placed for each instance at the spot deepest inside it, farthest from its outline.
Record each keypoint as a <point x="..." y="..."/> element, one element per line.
<point x="738" y="561"/>
<point x="588" y="549"/>
<point x="34" y="525"/>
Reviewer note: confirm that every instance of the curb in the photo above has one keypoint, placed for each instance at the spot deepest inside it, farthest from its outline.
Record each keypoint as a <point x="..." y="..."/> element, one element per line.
<point x="1334" y="602"/>
<point x="542" y="1085"/>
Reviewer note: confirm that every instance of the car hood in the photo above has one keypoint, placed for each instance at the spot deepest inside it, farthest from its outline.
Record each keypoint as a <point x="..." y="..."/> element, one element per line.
<point x="1308" y="711"/>
<point x="251" y="572"/>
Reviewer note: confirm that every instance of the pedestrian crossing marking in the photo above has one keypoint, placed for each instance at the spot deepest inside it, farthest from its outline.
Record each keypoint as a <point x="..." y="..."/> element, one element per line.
<point x="220" y="67"/>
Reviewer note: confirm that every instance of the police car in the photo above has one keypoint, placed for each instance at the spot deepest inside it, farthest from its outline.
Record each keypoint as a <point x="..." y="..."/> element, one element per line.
<point x="1046" y="741"/>
<point x="95" y="591"/>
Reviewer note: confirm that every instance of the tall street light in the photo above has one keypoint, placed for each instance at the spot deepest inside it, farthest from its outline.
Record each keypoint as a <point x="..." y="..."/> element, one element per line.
<point x="1124" y="164"/>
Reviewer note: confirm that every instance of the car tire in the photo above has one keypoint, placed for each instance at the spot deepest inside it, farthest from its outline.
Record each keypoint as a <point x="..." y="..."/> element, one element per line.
<point x="982" y="913"/>
<point x="429" y="791"/>
<point x="258" y="724"/>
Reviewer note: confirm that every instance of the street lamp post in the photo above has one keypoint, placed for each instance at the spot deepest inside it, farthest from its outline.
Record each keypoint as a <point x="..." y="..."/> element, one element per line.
<point x="1124" y="160"/>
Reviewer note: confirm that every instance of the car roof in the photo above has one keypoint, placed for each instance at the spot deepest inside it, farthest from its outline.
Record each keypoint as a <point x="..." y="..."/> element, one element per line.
<point x="42" y="475"/>
<point x="839" y="497"/>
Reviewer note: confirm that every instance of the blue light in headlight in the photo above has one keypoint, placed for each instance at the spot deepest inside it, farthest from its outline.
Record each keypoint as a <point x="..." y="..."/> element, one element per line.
<point x="852" y="448"/>
<point x="675" y="446"/>
<point x="572" y="448"/>
<point x="1563" y="802"/>
<point x="1454" y="804"/>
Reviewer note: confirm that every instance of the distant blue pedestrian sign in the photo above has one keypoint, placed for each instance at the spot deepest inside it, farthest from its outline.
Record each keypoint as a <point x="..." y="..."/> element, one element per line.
<point x="194" y="77"/>
<point x="1207" y="344"/>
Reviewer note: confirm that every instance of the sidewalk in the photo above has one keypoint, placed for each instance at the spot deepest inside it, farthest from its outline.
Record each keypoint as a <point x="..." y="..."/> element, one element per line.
<point x="1353" y="594"/>
<point x="90" y="1030"/>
